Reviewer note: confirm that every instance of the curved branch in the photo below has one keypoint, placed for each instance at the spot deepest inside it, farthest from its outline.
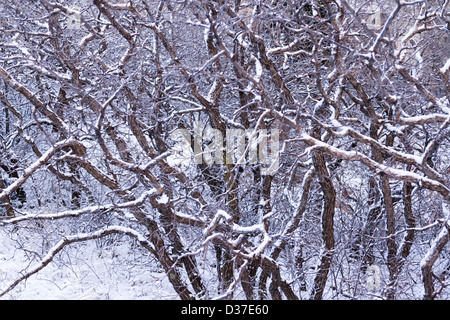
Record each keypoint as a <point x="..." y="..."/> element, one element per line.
<point x="392" y="172"/>
<point x="430" y="258"/>
<point x="78" y="238"/>
<point x="43" y="160"/>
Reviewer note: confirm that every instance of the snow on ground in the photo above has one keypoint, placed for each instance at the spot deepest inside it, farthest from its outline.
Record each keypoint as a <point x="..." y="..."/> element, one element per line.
<point x="98" y="269"/>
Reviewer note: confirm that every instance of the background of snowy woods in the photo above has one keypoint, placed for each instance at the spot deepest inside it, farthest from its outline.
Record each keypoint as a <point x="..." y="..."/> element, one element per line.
<point x="94" y="203"/>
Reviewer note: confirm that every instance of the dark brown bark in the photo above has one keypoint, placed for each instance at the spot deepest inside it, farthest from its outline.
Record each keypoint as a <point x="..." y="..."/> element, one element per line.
<point x="163" y="255"/>
<point x="408" y="241"/>
<point x="329" y="200"/>
<point x="428" y="261"/>
<point x="388" y="207"/>
<point x="373" y="215"/>
<point x="7" y="202"/>
<point x="271" y="269"/>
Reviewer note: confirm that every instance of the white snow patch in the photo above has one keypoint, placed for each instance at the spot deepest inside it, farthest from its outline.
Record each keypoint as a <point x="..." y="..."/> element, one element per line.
<point x="92" y="270"/>
<point x="446" y="67"/>
<point x="163" y="199"/>
<point x="258" y="69"/>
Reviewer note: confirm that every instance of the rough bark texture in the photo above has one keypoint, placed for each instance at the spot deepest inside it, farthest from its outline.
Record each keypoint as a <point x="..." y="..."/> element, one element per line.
<point x="327" y="217"/>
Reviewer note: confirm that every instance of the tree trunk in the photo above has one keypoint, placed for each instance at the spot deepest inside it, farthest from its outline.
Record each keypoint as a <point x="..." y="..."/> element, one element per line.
<point x="430" y="258"/>
<point x="329" y="199"/>
<point x="8" y="205"/>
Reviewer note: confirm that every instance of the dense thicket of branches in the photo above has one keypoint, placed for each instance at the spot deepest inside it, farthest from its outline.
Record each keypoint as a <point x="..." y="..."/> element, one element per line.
<point x="92" y="91"/>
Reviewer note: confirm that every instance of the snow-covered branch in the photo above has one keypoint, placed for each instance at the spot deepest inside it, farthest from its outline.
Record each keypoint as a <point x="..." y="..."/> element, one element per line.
<point x="43" y="160"/>
<point x="88" y="210"/>
<point x="78" y="238"/>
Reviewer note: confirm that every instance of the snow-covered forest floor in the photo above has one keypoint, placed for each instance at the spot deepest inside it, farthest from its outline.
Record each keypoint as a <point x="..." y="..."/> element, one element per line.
<point x="106" y="269"/>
